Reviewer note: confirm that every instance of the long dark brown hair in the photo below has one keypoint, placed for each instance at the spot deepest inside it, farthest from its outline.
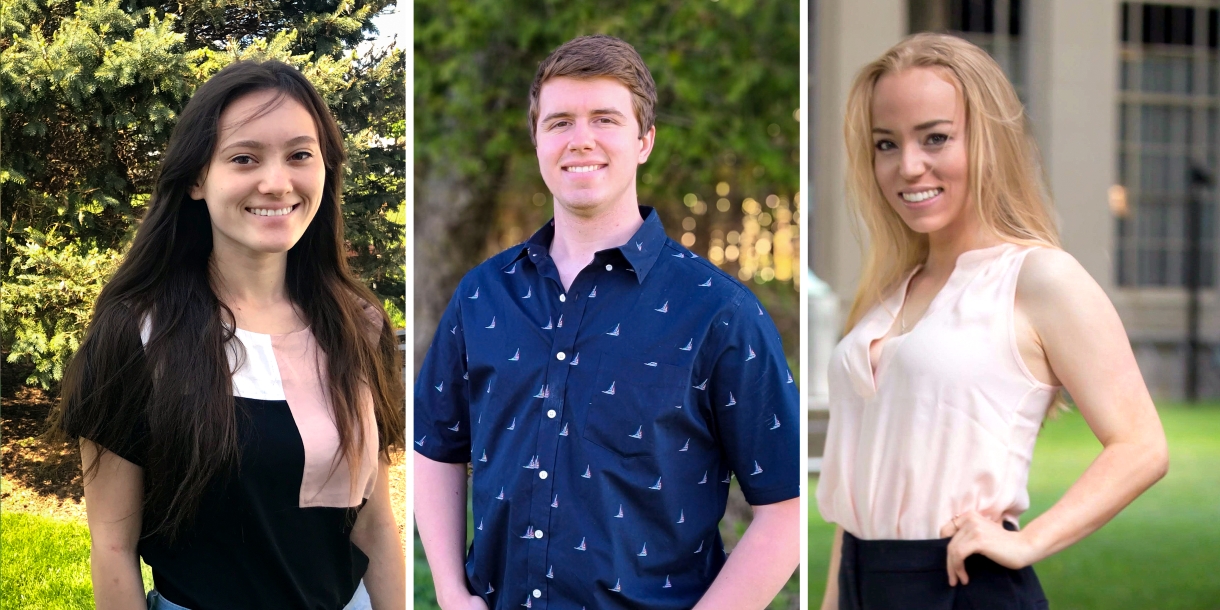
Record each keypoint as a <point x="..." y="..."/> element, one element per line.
<point x="170" y="400"/>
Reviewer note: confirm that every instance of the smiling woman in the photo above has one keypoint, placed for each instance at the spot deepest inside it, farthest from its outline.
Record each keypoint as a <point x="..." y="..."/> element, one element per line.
<point x="237" y="395"/>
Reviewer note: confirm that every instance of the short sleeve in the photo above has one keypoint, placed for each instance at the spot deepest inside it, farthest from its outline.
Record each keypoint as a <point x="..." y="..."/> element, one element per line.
<point x="756" y="404"/>
<point x="108" y="404"/>
<point x="442" y="396"/>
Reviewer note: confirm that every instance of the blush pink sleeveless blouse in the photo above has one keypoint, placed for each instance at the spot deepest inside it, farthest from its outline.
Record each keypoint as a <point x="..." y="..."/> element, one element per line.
<point x="947" y="422"/>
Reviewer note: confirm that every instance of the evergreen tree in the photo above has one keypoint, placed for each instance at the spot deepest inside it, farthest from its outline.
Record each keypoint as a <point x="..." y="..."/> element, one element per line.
<point x="89" y="94"/>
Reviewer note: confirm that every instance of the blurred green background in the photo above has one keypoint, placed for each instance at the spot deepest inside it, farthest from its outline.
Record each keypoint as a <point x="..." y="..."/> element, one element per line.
<point x="723" y="176"/>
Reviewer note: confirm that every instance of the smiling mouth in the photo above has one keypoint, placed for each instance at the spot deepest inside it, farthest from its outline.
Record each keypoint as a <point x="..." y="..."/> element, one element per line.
<point x="581" y="169"/>
<point x="921" y="196"/>
<point x="284" y="211"/>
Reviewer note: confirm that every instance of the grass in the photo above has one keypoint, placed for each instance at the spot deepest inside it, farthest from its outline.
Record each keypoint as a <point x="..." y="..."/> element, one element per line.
<point x="46" y="564"/>
<point x="1160" y="552"/>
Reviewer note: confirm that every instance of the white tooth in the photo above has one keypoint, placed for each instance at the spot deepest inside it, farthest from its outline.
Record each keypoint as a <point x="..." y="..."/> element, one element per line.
<point x="922" y="196"/>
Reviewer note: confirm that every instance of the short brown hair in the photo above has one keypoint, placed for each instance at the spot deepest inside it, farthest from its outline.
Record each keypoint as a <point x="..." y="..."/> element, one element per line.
<point x="594" y="56"/>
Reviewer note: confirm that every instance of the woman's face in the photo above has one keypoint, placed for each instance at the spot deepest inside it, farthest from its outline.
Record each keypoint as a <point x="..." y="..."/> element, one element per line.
<point x="920" y="154"/>
<point x="265" y="180"/>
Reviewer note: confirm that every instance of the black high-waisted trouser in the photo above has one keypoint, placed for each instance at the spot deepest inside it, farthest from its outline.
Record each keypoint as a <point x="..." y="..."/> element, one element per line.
<point x="911" y="575"/>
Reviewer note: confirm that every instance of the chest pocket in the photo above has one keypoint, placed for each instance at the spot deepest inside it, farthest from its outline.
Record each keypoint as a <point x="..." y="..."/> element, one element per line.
<point x="631" y="401"/>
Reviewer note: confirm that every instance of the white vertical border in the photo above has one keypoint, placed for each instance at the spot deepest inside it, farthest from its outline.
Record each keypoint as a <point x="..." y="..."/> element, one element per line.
<point x="406" y="8"/>
<point x="806" y="116"/>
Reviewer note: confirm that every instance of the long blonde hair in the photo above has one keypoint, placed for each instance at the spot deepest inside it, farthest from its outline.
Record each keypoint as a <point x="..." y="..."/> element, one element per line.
<point x="1006" y="184"/>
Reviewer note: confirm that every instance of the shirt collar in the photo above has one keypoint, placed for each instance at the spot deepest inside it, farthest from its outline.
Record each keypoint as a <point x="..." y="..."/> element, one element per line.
<point x="642" y="250"/>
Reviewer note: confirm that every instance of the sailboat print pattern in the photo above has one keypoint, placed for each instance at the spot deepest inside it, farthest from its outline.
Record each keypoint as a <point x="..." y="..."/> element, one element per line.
<point x="490" y="589"/>
<point x="650" y="341"/>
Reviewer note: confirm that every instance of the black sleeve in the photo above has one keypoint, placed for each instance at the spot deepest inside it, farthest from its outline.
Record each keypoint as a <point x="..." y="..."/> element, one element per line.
<point x="107" y="388"/>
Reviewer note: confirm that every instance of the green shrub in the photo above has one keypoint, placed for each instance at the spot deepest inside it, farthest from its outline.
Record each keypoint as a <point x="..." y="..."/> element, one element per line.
<point x="49" y="289"/>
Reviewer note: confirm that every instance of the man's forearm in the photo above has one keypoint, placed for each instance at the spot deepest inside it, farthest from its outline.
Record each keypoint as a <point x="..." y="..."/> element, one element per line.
<point x="440" y="514"/>
<point x="761" y="563"/>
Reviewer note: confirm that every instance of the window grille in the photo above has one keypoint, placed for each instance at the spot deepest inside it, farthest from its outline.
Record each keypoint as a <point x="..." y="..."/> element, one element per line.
<point x="1169" y="115"/>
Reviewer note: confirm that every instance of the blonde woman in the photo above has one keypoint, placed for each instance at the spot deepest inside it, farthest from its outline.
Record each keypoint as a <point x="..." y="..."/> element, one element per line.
<point x="968" y="321"/>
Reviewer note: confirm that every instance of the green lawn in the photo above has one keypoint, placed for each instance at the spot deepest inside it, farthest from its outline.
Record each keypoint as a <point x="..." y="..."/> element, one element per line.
<point x="46" y="564"/>
<point x="1161" y="552"/>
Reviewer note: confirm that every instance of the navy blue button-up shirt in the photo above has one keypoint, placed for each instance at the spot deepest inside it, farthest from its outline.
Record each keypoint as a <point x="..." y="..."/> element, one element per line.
<point x="604" y="422"/>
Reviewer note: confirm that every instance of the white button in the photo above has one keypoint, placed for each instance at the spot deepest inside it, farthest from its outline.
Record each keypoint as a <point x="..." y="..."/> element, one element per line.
<point x="560" y="356"/>
<point x="609" y="267"/>
<point x="541" y="475"/>
<point x="537" y="593"/>
<point x="563" y="298"/>
<point x="551" y="414"/>
<point x="538" y="533"/>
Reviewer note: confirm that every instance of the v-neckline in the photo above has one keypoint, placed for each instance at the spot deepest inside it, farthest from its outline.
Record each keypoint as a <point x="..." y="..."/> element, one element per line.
<point x="902" y="294"/>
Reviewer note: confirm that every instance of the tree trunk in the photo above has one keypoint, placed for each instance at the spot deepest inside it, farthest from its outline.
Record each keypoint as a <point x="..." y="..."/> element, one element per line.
<point x="453" y="218"/>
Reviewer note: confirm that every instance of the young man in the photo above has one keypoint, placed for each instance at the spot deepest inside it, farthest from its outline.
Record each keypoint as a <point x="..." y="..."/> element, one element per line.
<point x="604" y="382"/>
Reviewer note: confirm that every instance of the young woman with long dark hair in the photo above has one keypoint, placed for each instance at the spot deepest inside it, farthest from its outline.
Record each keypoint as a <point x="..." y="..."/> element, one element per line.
<point x="968" y="321"/>
<point x="238" y="394"/>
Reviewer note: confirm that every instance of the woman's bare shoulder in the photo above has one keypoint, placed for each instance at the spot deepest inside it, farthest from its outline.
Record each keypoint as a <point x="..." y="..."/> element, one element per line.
<point x="1053" y="283"/>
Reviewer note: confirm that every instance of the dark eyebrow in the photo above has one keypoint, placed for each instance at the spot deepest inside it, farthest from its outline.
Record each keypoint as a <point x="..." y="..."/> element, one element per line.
<point x="255" y="144"/>
<point x="919" y="127"/>
<point x="595" y="112"/>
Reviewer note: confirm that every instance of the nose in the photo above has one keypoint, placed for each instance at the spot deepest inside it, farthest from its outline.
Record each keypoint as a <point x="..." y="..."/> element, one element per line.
<point x="582" y="137"/>
<point x="277" y="181"/>
<point x="914" y="162"/>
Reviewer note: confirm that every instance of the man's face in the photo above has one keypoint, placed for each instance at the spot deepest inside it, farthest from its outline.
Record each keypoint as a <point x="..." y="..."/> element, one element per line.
<point x="589" y="143"/>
